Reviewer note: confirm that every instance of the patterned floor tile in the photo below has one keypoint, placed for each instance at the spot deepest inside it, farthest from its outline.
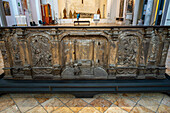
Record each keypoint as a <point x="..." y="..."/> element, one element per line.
<point x="65" y="100"/>
<point x="163" y="109"/>
<point x="76" y="104"/>
<point x="65" y="96"/>
<point x="63" y="109"/>
<point x="22" y="95"/>
<point x="12" y="109"/>
<point x="89" y="109"/>
<point x="37" y="109"/>
<point x="135" y="99"/>
<point x="52" y="104"/>
<point x="44" y="95"/>
<point x="112" y="97"/>
<point x="101" y="104"/>
<point x="125" y="104"/>
<point x="166" y="100"/>
<point x="88" y="100"/>
<point x="42" y="99"/>
<point x="131" y="94"/>
<point x="115" y="109"/>
<point x="141" y="109"/>
<point x="149" y="103"/>
<point x="115" y="96"/>
<point x="153" y="94"/>
<point x="25" y="104"/>
<point x="76" y="109"/>
<point x="5" y="102"/>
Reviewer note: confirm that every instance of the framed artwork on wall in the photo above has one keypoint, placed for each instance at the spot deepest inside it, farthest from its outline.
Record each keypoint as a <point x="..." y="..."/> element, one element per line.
<point x="6" y="8"/>
<point x="130" y="6"/>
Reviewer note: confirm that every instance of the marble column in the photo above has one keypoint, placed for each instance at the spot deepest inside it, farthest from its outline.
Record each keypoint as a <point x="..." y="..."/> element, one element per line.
<point x="136" y="10"/>
<point x="148" y="12"/>
<point x="109" y="8"/>
<point x="56" y="9"/>
<point x="2" y="15"/>
<point x="29" y="13"/>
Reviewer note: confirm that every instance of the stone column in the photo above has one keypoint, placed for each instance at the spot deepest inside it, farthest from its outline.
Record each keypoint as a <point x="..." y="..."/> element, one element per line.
<point x="56" y="9"/>
<point x="28" y="13"/>
<point x="109" y="8"/>
<point x="148" y="12"/>
<point x="136" y="10"/>
<point x="2" y="15"/>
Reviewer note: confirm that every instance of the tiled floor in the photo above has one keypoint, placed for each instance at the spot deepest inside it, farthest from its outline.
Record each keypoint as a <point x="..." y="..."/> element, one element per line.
<point x="101" y="103"/>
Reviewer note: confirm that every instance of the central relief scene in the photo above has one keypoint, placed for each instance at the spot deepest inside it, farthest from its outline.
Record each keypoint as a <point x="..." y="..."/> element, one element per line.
<point x="84" y="57"/>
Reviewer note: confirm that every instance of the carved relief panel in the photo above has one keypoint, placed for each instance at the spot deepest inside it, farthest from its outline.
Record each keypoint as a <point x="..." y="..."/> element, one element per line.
<point x="128" y="50"/>
<point x="41" y="56"/>
<point x="82" y="54"/>
<point x="90" y="53"/>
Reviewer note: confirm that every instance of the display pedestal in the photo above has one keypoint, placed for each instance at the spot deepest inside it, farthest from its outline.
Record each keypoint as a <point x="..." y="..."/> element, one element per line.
<point x="84" y="88"/>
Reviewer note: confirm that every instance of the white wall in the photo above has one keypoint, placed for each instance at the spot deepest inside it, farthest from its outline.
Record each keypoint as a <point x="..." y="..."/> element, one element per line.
<point x="36" y="10"/>
<point x="112" y="10"/>
<point x="89" y="6"/>
<point x="11" y="19"/>
<point x="0" y="22"/>
<point x="167" y="20"/>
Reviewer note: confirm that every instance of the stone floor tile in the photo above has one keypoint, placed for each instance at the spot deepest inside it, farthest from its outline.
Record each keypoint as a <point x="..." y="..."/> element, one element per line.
<point x="5" y="102"/>
<point x="141" y="109"/>
<point x="22" y="95"/>
<point x="76" y="104"/>
<point x="25" y="104"/>
<point x="63" y="109"/>
<point x="44" y="95"/>
<point x="115" y="109"/>
<point x="101" y="104"/>
<point x="76" y="109"/>
<point x="12" y="109"/>
<point x="166" y="100"/>
<point x="149" y="103"/>
<point x="65" y="100"/>
<point x="125" y="104"/>
<point x="65" y="96"/>
<point x="37" y="109"/>
<point x="153" y="94"/>
<point x="89" y="109"/>
<point x="107" y="95"/>
<point x="52" y="104"/>
<point x="156" y="98"/>
<point x="112" y="100"/>
<point x="88" y="100"/>
<point x="131" y="94"/>
<point x="163" y="109"/>
<point x="42" y="99"/>
<point x="135" y="99"/>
